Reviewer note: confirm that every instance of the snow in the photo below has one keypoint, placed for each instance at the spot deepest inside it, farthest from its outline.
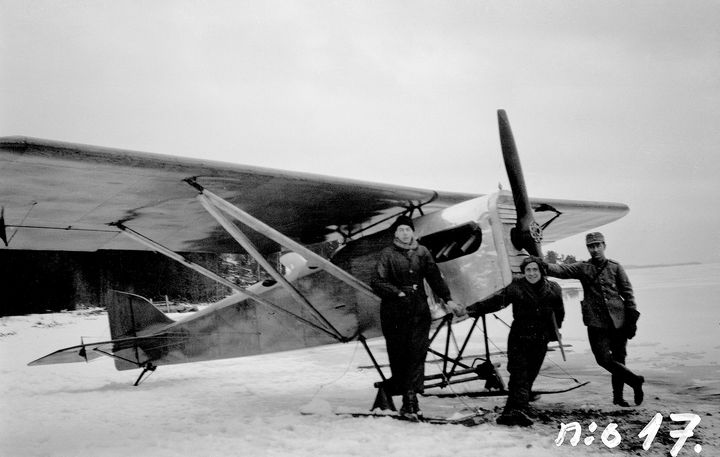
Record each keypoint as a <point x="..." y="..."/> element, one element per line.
<point x="283" y="404"/>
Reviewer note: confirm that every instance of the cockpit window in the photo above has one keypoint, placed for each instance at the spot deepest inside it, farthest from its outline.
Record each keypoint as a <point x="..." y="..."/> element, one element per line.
<point x="453" y="243"/>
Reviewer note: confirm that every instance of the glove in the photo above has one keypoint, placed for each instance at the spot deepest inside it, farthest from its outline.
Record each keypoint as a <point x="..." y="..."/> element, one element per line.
<point x="457" y="309"/>
<point x="630" y="326"/>
<point x="486" y="306"/>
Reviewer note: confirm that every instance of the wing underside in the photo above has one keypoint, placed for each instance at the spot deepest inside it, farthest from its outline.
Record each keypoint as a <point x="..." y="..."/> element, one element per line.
<point x="564" y="218"/>
<point x="63" y="196"/>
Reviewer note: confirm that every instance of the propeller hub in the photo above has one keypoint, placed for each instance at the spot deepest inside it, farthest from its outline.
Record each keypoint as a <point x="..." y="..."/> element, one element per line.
<point x="536" y="232"/>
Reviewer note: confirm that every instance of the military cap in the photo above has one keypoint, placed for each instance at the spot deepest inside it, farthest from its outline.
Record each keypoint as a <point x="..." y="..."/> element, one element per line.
<point x="594" y="237"/>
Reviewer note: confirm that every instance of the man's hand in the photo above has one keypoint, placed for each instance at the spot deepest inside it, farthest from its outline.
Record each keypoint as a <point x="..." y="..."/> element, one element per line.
<point x="457" y="309"/>
<point x="630" y="325"/>
<point x="543" y="267"/>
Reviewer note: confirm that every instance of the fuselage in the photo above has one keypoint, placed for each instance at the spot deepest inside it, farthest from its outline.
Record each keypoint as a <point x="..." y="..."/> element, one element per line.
<point x="469" y="241"/>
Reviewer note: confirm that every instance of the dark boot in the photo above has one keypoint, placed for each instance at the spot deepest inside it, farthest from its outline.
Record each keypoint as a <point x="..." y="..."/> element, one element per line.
<point x="415" y="404"/>
<point x="618" y="386"/>
<point x="620" y="401"/>
<point x="409" y="403"/>
<point x="638" y="391"/>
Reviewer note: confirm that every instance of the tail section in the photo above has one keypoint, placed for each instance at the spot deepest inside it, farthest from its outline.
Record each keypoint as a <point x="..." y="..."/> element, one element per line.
<point x="132" y="315"/>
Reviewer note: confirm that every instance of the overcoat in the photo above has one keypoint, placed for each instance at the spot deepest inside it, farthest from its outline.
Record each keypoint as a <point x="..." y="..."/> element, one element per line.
<point x="607" y="292"/>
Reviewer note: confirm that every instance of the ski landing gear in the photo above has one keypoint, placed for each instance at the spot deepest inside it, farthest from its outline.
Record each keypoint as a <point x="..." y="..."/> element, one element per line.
<point x="453" y="370"/>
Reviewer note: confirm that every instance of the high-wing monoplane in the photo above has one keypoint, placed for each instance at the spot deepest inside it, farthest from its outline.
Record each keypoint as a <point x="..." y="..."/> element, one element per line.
<point x="71" y="197"/>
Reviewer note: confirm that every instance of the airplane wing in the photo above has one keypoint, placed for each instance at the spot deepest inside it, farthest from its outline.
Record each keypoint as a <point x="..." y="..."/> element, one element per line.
<point x="564" y="218"/>
<point x="63" y="196"/>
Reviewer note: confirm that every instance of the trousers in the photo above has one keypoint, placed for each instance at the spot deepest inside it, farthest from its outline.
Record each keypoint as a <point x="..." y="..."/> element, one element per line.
<point x="406" y="327"/>
<point x="526" y="353"/>
<point x="609" y="346"/>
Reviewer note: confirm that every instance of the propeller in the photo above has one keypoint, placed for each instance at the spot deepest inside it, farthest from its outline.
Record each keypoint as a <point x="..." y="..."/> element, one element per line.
<point x="527" y="233"/>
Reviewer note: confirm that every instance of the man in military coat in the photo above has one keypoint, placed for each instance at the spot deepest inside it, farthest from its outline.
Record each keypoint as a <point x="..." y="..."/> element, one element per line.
<point x="609" y="312"/>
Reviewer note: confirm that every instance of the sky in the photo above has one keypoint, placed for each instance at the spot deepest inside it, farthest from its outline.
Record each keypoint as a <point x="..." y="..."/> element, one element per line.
<point x="609" y="101"/>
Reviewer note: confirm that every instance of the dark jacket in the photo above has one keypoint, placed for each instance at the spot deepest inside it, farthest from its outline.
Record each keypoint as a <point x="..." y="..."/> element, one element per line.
<point x="401" y="270"/>
<point x="533" y="306"/>
<point x="607" y="292"/>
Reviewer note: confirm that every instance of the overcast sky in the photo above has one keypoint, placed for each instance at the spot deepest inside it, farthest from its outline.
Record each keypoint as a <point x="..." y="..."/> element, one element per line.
<point x="608" y="100"/>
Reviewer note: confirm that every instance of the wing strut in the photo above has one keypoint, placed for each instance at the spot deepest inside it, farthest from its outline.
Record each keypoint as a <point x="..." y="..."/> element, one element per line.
<point x="283" y="240"/>
<point x="3" y="235"/>
<point x="248" y="245"/>
<point x="205" y="272"/>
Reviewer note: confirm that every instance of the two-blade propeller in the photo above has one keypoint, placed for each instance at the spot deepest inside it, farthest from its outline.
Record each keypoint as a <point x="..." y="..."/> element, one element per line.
<point x="527" y="233"/>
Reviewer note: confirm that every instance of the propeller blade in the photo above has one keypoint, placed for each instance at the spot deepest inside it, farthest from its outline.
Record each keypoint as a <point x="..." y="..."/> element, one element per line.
<point x="527" y="233"/>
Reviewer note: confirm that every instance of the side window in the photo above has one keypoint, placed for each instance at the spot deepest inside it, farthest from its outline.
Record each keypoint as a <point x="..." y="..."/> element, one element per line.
<point x="453" y="243"/>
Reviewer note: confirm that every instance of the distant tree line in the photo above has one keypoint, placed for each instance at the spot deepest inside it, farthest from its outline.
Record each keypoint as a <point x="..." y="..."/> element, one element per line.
<point x="51" y="281"/>
<point x="554" y="257"/>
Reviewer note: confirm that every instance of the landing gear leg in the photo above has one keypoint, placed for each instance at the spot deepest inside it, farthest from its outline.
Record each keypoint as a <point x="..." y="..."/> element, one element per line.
<point x="382" y="399"/>
<point x="148" y="367"/>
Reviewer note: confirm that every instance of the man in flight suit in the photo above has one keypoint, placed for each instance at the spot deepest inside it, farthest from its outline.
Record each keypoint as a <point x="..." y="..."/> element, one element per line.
<point x="609" y="312"/>
<point x="404" y="311"/>
<point x="538" y="311"/>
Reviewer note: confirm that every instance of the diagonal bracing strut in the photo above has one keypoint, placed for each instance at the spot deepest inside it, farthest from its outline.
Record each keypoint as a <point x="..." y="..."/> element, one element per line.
<point x="283" y="240"/>
<point x="205" y="272"/>
<point x="245" y="242"/>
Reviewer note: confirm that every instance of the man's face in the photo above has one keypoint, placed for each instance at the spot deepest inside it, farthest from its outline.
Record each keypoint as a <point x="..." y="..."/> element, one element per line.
<point x="404" y="233"/>
<point x="596" y="250"/>
<point x="532" y="273"/>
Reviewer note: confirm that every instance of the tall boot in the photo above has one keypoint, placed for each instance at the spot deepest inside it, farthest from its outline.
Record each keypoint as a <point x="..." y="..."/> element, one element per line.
<point x="409" y="403"/>
<point x="638" y="390"/>
<point x="620" y="401"/>
<point x="617" y="386"/>
<point x="415" y="404"/>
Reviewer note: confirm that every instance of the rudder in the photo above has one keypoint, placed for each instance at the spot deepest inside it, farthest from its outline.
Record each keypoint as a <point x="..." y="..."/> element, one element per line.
<point x="129" y="314"/>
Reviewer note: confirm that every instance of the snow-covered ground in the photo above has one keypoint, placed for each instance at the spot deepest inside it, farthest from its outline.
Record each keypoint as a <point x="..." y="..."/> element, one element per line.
<point x="258" y="406"/>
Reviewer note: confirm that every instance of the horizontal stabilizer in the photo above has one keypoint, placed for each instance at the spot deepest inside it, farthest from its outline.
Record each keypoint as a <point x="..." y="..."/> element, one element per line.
<point x="91" y="351"/>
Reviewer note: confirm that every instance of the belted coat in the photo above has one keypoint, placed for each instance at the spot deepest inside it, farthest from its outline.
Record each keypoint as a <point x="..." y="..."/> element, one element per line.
<point x="607" y="292"/>
<point x="406" y="320"/>
<point x="403" y="270"/>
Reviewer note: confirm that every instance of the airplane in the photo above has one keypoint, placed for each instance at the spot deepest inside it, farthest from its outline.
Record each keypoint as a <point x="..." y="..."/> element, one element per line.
<point x="73" y="197"/>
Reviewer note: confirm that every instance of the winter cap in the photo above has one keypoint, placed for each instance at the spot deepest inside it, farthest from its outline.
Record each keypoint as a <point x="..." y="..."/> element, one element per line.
<point x="403" y="220"/>
<point x="532" y="259"/>
<point x="594" y="237"/>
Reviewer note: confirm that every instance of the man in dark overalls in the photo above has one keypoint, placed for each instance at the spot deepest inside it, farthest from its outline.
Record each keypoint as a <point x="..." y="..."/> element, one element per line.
<point x="404" y="313"/>
<point x="538" y="312"/>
